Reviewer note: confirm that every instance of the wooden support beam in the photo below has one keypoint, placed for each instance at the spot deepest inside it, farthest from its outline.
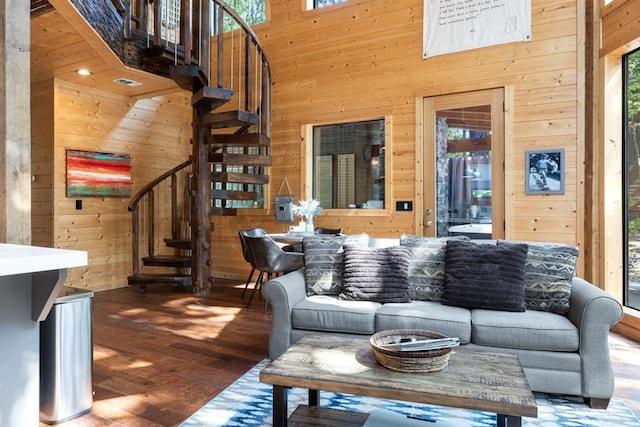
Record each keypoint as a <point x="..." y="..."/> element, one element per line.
<point x="15" y="122"/>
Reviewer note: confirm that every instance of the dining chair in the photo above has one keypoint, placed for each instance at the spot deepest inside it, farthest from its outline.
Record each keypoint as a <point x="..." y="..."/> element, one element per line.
<point x="246" y="252"/>
<point x="297" y="247"/>
<point x="270" y="260"/>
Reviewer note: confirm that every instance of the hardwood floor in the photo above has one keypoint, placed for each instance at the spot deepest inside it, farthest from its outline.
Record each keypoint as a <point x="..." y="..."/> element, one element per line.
<point x="160" y="356"/>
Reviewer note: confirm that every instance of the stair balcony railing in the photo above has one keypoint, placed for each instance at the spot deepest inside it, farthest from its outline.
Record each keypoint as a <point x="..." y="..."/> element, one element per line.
<point x="162" y="208"/>
<point x="211" y="35"/>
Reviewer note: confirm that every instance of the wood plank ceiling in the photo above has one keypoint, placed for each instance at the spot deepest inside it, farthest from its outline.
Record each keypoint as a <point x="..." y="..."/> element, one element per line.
<point x="63" y="42"/>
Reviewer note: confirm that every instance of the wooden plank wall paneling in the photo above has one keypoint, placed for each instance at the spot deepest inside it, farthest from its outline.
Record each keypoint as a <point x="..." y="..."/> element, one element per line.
<point x="620" y="21"/>
<point x="42" y="125"/>
<point x="155" y="131"/>
<point x="363" y="59"/>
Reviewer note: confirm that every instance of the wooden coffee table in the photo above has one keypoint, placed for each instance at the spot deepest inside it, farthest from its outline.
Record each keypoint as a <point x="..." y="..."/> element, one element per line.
<point x="480" y="380"/>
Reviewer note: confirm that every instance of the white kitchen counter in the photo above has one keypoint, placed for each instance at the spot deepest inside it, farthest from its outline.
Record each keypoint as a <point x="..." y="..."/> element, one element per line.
<point x="18" y="259"/>
<point x="30" y="279"/>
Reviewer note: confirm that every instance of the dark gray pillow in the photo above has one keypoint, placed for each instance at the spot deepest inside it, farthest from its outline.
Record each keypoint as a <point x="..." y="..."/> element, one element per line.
<point x="484" y="276"/>
<point x="376" y="274"/>
<point x="548" y="272"/>
<point x="323" y="262"/>
<point x="426" y="265"/>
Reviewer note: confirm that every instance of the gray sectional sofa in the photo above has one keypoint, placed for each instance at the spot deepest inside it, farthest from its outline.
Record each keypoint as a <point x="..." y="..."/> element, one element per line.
<point x="560" y="333"/>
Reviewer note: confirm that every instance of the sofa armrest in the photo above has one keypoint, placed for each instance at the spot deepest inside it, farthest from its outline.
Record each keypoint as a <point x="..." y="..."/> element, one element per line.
<point x="283" y="293"/>
<point x="594" y="312"/>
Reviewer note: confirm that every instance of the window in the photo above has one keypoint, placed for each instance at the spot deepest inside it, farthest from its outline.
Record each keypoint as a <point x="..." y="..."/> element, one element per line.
<point x="255" y="202"/>
<point x="348" y="165"/>
<point x="316" y="4"/>
<point x="631" y="177"/>
<point x="251" y="11"/>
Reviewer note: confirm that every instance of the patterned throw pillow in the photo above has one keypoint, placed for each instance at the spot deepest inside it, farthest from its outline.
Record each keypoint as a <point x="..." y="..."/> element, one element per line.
<point x="426" y="265"/>
<point x="548" y="273"/>
<point x="481" y="276"/>
<point x="323" y="262"/>
<point x="376" y="274"/>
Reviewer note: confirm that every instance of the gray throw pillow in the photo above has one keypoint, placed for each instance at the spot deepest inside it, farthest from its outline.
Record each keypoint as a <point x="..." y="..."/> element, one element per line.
<point x="548" y="272"/>
<point x="376" y="274"/>
<point x="323" y="262"/>
<point x="426" y="265"/>
<point x="489" y="277"/>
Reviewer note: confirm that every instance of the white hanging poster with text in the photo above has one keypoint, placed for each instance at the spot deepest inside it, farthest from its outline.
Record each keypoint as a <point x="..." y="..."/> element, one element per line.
<point x="456" y="25"/>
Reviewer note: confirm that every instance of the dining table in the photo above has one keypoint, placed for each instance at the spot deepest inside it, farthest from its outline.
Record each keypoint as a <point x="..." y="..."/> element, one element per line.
<point x="290" y="237"/>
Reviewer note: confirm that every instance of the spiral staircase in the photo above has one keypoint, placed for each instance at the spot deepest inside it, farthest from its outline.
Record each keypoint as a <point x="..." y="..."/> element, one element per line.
<point x="208" y="50"/>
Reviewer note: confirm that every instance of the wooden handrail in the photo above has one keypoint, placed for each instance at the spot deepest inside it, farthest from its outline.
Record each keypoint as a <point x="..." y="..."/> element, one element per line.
<point x="147" y="188"/>
<point x="189" y="27"/>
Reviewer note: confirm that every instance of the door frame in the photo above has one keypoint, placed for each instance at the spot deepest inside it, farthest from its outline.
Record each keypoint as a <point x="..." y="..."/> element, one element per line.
<point x="426" y="108"/>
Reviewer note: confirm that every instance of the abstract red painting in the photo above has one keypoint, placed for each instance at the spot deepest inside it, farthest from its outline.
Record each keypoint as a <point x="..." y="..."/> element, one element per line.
<point x="92" y="173"/>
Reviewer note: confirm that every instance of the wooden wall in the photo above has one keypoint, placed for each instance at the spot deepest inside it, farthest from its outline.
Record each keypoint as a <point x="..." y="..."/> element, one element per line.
<point x="352" y="61"/>
<point x="155" y="132"/>
<point x="42" y="128"/>
<point x="363" y="59"/>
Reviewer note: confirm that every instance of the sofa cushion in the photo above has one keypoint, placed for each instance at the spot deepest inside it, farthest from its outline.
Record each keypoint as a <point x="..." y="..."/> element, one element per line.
<point x="548" y="272"/>
<point x="323" y="262"/>
<point x="426" y="266"/>
<point x="530" y="330"/>
<point x="429" y="315"/>
<point x="375" y="274"/>
<point x="484" y="276"/>
<point x="328" y="313"/>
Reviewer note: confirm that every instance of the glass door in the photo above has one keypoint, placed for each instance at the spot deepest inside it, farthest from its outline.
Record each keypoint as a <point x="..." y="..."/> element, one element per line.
<point x="463" y="172"/>
<point x="631" y="179"/>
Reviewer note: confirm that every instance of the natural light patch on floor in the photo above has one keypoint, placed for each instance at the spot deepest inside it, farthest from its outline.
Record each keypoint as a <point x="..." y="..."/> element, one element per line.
<point x="128" y="313"/>
<point x="120" y="362"/>
<point x="120" y="408"/>
<point x="197" y="331"/>
<point x="100" y="353"/>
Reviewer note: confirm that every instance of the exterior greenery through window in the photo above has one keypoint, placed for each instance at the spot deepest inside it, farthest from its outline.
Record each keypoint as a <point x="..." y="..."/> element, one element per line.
<point x="251" y="11"/>
<point x="631" y="64"/>
<point x="348" y="165"/>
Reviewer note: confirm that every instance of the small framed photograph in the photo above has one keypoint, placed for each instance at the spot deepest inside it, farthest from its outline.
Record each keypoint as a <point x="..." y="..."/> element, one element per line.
<point x="545" y="171"/>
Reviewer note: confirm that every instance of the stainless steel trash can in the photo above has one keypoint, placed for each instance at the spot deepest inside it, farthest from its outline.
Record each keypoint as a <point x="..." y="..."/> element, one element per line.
<point x="66" y="357"/>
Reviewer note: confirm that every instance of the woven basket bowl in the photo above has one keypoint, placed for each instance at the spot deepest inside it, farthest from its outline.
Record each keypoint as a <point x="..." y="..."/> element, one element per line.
<point x="409" y="361"/>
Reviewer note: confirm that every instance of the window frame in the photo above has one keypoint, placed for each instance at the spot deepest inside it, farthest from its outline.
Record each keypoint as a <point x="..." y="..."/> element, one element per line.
<point x="307" y="167"/>
<point x="312" y="4"/>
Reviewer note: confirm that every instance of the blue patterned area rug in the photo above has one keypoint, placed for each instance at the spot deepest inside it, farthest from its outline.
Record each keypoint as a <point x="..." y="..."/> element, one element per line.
<point x="247" y="402"/>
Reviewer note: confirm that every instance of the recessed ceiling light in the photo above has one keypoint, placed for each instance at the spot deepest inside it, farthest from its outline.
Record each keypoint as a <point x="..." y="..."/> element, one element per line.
<point x="83" y="72"/>
<point x="127" y="82"/>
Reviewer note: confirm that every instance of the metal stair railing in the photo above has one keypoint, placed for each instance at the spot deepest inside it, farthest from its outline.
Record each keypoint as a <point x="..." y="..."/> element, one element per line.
<point x="224" y="43"/>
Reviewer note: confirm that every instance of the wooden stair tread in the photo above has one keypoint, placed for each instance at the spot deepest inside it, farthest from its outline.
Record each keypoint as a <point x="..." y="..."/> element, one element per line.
<point x="228" y="119"/>
<point x="167" y="261"/>
<point x="240" y="159"/>
<point x="211" y="98"/>
<point x="178" y="243"/>
<point x="239" y="178"/>
<point x="234" y="195"/>
<point x="160" y="278"/>
<point x="238" y="140"/>
<point x="189" y="77"/>
<point x="224" y="211"/>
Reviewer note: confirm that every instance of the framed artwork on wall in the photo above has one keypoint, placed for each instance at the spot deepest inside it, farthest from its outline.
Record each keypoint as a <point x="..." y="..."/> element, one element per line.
<point x="91" y="173"/>
<point x="545" y="171"/>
